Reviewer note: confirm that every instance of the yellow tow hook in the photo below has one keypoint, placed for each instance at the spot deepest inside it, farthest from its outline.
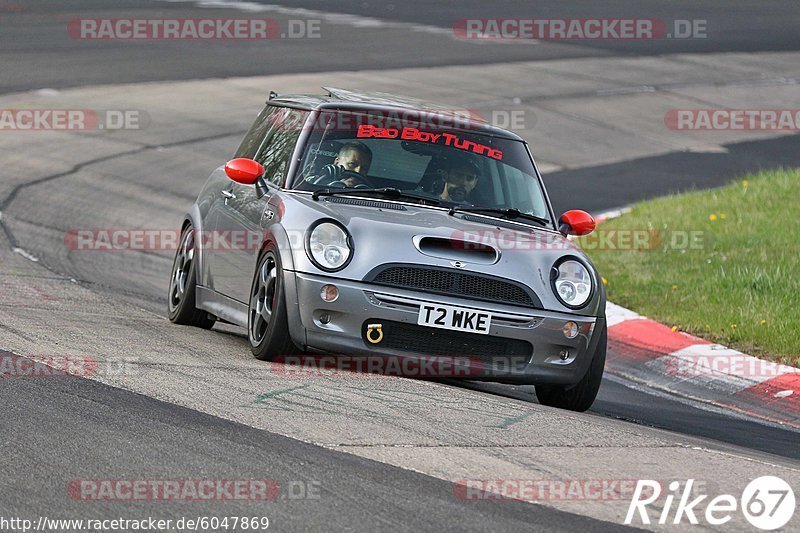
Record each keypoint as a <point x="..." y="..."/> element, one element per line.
<point x="375" y="327"/>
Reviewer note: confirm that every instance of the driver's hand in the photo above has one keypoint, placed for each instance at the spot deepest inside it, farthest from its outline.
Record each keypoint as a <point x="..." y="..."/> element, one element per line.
<point x="332" y="173"/>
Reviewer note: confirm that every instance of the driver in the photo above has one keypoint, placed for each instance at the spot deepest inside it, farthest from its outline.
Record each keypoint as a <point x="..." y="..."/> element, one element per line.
<point x="353" y="156"/>
<point x="459" y="180"/>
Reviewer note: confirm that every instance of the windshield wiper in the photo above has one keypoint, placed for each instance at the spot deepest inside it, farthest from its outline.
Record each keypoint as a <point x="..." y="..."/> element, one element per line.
<point x="388" y="192"/>
<point x="509" y="213"/>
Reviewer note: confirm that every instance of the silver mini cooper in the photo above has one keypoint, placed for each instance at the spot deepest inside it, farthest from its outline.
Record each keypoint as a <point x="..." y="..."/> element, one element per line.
<point x="370" y="225"/>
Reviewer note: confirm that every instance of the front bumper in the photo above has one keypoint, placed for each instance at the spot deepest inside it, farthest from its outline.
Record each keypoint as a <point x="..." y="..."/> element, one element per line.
<point x="522" y="346"/>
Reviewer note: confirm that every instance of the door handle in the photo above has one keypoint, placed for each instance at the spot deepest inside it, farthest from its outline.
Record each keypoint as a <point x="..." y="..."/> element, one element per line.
<point x="228" y="194"/>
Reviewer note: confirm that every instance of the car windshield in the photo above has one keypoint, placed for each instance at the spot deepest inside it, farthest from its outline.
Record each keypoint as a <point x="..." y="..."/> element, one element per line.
<point x="454" y="164"/>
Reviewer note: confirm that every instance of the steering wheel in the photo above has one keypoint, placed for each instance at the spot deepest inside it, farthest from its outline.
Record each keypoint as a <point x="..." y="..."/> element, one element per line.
<point x="339" y="184"/>
<point x="364" y="182"/>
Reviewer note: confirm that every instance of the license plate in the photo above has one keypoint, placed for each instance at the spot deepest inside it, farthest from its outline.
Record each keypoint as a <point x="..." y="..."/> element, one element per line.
<point x="456" y="318"/>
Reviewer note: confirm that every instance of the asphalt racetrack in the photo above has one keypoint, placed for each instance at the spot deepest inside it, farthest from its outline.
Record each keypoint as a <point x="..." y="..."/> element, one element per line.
<point x="362" y="453"/>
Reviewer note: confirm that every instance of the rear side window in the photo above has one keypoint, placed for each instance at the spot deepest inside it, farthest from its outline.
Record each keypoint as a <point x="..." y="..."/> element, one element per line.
<point x="271" y="140"/>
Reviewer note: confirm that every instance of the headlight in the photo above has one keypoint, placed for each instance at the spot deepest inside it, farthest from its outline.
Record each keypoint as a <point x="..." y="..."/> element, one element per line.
<point x="572" y="283"/>
<point x="329" y="246"/>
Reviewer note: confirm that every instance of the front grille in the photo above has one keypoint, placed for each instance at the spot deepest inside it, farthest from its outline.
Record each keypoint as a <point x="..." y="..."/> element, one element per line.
<point x="454" y="283"/>
<point x="422" y="340"/>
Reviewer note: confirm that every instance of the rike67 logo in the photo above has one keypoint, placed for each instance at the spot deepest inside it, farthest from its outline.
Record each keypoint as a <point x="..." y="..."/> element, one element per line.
<point x="767" y="503"/>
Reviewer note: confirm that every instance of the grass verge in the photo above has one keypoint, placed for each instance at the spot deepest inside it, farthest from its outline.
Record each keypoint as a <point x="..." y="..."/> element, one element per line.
<point x="722" y="264"/>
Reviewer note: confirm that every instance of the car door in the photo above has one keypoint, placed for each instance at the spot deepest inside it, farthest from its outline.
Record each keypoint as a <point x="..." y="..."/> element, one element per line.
<point x="239" y="215"/>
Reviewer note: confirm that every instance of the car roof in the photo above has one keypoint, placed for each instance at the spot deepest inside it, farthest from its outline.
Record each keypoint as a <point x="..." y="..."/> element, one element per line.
<point x="345" y="99"/>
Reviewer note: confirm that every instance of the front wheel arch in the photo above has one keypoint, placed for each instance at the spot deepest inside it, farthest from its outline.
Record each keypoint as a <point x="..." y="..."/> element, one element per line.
<point x="267" y="315"/>
<point x="182" y="292"/>
<point x="581" y="396"/>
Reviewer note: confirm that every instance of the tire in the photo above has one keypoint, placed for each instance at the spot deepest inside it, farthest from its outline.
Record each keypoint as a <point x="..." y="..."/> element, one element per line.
<point x="267" y="318"/>
<point x="182" y="286"/>
<point x="581" y="396"/>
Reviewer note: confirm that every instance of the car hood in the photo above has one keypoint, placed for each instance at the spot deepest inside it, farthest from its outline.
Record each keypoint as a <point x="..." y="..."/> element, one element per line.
<point x="390" y="232"/>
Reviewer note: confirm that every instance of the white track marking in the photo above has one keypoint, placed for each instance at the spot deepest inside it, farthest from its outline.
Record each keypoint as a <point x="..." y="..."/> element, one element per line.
<point x="26" y="255"/>
<point x="616" y="314"/>
<point x="357" y="21"/>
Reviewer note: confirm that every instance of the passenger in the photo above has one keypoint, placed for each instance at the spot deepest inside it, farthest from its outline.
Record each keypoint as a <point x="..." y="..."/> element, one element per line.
<point x="459" y="180"/>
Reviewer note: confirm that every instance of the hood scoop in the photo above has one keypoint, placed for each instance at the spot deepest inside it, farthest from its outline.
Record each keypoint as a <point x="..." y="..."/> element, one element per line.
<point x="456" y="250"/>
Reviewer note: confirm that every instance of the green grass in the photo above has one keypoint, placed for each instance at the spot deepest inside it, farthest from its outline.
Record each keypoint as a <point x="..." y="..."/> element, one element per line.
<point x="739" y="285"/>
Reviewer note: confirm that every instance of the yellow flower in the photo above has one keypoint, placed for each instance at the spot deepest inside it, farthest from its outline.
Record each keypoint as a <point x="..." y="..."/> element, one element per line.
<point x="763" y="322"/>
<point x="733" y="326"/>
<point x="712" y="217"/>
<point x="674" y="328"/>
<point x="674" y="287"/>
<point x="605" y="281"/>
<point x="745" y="183"/>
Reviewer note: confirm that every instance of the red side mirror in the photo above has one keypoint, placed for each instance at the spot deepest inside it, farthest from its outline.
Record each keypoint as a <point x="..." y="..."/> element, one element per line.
<point x="576" y="222"/>
<point x="243" y="170"/>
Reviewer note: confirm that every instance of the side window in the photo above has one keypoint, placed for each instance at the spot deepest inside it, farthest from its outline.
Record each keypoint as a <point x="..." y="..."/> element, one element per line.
<point x="271" y="140"/>
<point x="256" y="134"/>
<point x="275" y="152"/>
